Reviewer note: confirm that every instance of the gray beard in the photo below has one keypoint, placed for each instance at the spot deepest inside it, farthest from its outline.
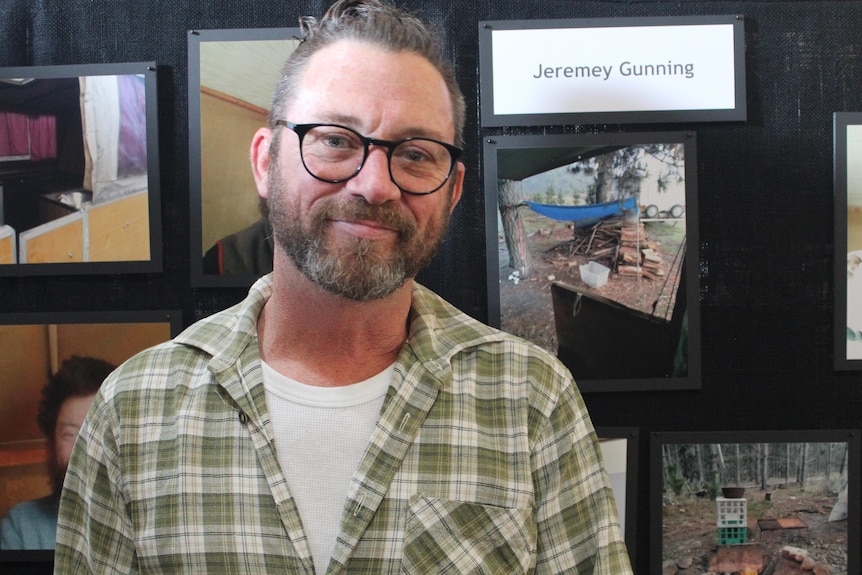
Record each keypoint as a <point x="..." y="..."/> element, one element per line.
<point x="359" y="275"/>
<point x="358" y="272"/>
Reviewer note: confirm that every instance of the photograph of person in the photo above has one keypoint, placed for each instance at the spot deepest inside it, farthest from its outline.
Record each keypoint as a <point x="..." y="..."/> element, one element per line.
<point x="65" y="401"/>
<point x="234" y="102"/>
<point x="52" y="364"/>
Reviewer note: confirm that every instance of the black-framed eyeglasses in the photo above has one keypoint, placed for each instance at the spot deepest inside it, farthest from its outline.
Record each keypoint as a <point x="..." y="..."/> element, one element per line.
<point x="334" y="154"/>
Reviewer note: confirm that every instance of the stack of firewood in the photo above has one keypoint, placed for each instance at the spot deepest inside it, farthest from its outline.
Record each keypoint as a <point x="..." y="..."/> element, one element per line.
<point x="624" y="245"/>
<point x="637" y="254"/>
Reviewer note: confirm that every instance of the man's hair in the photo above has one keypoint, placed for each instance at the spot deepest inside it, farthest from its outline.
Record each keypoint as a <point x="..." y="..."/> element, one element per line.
<point x="374" y="22"/>
<point x="77" y="377"/>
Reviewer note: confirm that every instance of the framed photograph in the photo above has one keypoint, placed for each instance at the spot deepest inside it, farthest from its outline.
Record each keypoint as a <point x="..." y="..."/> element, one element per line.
<point x="79" y="170"/>
<point x="34" y="349"/>
<point x="232" y="75"/>
<point x="612" y="70"/>
<point x="848" y="240"/>
<point x="592" y="253"/>
<point x="620" y="448"/>
<point x="730" y="501"/>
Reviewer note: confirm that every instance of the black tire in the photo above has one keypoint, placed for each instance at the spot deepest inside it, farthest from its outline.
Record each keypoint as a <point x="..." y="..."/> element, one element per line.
<point x="651" y="211"/>
<point x="677" y="211"/>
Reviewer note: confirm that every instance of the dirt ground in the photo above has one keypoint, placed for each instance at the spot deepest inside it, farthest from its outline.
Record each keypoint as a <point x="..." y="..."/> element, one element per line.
<point x="690" y="530"/>
<point x="526" y="305"/>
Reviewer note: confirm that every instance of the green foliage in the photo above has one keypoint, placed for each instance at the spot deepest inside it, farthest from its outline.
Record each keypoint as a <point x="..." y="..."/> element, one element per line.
<point x="550" y="196"/>
<point x="676" y="481"/>
<point x="559" y="198"/>
<point x="712" y="488"/>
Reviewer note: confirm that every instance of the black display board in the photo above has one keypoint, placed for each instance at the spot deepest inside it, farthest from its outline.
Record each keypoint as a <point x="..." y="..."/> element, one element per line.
<point x="765" y="193"/>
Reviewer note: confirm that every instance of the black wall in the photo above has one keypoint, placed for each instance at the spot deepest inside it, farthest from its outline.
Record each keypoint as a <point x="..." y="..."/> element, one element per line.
<point x="765" y="193"/>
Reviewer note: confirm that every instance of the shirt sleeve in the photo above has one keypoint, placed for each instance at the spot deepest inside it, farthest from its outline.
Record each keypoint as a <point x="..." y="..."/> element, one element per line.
<point x="578" y="525"/>
<point x="94" y="530"/>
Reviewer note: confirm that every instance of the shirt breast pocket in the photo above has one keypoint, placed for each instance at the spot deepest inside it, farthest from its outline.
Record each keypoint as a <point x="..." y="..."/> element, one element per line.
<point x="461" y="538"/>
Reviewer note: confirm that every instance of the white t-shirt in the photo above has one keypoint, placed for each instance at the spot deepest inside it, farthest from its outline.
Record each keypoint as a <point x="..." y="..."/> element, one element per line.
<point x="320" y="436"/>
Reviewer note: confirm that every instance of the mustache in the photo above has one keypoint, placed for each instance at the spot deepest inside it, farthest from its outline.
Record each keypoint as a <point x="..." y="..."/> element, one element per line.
<point x="356" y="209"/>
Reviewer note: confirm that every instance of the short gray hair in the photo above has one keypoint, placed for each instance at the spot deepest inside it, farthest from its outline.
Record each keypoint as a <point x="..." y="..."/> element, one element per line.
<point x="371" y="21"/>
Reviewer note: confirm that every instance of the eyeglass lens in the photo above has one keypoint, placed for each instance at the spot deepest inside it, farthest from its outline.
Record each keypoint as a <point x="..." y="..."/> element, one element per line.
<point x="336" y="153"/>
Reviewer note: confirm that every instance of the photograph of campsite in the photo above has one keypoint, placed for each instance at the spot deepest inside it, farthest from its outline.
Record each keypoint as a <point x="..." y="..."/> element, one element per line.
<point x="600" y="224"/>
<point x="754" y="508"/>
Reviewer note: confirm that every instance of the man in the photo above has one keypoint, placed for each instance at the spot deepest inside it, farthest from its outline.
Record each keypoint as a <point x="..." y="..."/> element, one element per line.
<point x="246" y="252"/>
<point x="344" y="419"/>
<point x="65" y="400"/>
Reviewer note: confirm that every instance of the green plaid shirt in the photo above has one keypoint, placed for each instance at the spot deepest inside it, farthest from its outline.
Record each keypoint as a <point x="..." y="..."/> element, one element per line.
<point x="484" y="460"/>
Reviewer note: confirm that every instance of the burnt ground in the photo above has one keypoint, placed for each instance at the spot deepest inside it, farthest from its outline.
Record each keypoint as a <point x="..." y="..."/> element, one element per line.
<point x="526" y="305"/>
<point x="690" y="531"/>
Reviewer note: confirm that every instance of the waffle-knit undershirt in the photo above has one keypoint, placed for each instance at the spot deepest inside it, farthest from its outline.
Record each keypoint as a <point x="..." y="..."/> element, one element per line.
<point x="320" y="436"/>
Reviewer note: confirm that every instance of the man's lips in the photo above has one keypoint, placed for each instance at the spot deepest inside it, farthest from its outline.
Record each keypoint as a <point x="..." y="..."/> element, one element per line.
<point x="366" y="229"/>
<point x="364" y="221"/>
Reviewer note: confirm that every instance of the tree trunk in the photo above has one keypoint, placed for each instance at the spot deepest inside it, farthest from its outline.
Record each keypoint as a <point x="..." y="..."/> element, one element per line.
<point x="738" y="466"/>
<point x="718" y="462"/>
<point x="843" y="461"/>
<point x="803" y="461"/>
<point x="604" y="177"/>
<point x="700" y="470"/>
<point x="764" y="477"/>
<point x="510" y="197"/>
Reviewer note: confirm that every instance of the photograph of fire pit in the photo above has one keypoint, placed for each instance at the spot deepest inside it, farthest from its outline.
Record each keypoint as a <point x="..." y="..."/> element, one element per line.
<point x="755" y="503"/>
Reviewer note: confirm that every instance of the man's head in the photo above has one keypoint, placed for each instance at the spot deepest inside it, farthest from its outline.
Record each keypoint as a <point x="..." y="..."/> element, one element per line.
<point x="65" y="400"/>
<point x="374" y="76"/>
<point x="371" y="22"/>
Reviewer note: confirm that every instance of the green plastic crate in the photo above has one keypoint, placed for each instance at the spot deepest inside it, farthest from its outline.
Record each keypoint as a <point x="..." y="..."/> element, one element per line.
<point x="732" y="535"/>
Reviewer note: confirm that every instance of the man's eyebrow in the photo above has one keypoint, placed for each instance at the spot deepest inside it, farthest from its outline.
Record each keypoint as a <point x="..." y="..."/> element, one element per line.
<point x="407" y="132"/>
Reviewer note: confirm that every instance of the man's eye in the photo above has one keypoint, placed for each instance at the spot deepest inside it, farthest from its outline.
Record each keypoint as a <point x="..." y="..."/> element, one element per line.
<point x="335" y="141"/>
<point x="413" y="154"/>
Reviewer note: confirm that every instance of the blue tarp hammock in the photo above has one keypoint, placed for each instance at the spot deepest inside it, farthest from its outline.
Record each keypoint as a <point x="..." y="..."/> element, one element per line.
<point x="583" y="215"/>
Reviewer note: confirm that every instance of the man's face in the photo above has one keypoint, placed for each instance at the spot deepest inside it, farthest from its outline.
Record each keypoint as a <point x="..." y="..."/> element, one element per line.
<point x="69" y="420"/>
<point x="362" y="239"/>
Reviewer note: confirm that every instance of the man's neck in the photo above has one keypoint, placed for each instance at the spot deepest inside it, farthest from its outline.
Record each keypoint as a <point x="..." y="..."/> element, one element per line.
<point x="322" y="339"/>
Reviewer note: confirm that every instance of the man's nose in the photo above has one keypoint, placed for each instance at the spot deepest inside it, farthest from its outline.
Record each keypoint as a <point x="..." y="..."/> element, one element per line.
<point x="374" y="182"/>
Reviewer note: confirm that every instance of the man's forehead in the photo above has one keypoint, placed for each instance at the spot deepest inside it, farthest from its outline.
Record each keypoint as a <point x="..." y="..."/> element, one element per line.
<point x="357" y="83"/>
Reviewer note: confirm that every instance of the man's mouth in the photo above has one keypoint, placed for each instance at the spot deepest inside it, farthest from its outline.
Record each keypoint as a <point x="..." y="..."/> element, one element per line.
<point x="367" y="229"/>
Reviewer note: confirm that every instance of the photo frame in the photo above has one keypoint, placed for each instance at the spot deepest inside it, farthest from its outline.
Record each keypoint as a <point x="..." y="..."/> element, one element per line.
<point x="847" y="129"/>
<point x="620" y="448"/>
<point x="228" y="101"/>
<point x="612" y="70"/>
<point x="33" y="347"/>
<point x="712" y="504"/>
<point x="562" y="210"/>
<point x="79" y="170"/>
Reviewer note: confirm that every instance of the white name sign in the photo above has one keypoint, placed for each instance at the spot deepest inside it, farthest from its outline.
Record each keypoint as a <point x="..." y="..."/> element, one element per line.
<point x="606" y="71"/>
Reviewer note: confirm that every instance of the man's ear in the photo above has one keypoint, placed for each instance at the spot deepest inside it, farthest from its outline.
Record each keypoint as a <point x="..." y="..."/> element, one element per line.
<point x="260" y="159"/>
<point x="458" y="185"/>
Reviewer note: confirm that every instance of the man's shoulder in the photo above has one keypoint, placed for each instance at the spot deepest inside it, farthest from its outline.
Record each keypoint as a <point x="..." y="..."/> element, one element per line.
<point x="184" y="359"/>
<point x="30" y="525"/>
<point x="435" y="313"/>
<point x="459" y="330"/>
<point x="33" y="510"/>
<point x="225" y="329"/>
